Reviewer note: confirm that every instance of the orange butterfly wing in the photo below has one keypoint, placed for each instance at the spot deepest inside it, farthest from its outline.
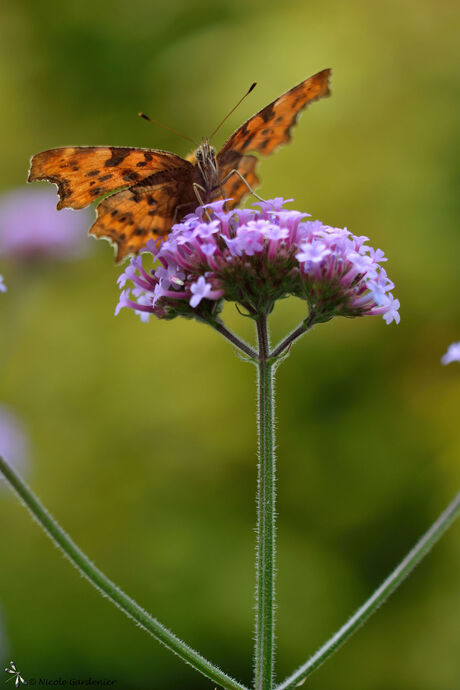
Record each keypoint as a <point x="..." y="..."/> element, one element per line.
<point x="84" y="173"/>
<point x="265" y="131"/>
<point x="145" y="212"/>
<point x="159" y="183"/>
<point x="234" y="188"/>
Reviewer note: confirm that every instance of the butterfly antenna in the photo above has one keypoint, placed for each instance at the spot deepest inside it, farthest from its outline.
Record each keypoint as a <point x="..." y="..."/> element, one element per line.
<point x="155" y="122"/>
<point x="234" y="108"/>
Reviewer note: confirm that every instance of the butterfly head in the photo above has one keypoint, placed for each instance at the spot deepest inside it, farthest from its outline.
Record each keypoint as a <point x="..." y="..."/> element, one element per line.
<point x="206" y="161"/>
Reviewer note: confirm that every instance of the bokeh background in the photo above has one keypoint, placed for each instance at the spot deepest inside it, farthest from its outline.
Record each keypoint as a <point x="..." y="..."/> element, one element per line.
<point x="142" y="437"/>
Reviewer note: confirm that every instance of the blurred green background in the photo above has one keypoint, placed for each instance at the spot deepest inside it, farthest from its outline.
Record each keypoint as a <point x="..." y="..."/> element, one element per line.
<point x="143" y="436"/>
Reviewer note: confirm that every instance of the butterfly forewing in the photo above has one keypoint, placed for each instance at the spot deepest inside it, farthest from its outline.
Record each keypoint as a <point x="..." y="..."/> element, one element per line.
<point x="85" y="173"/>
<point x="272" y="125"/>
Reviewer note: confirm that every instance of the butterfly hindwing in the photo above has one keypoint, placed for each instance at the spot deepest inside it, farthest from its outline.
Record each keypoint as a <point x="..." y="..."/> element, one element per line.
<point x="85" y="173"/>
<point x="147" y="211"/>
<point x="234" y="188"/>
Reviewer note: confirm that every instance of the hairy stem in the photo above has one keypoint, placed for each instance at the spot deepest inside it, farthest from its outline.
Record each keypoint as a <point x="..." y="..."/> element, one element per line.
<point x="109" y="589"/>
<point x="401" y="571"/>
<point x="265" y="558"/>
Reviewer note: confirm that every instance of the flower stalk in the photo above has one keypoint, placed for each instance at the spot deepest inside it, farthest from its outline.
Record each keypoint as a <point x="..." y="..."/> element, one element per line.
<point x="266" y="492"/>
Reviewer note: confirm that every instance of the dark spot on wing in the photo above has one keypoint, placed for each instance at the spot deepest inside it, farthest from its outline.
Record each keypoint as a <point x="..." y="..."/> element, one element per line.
<point x="130" y="176"/>
<point x="268" y="113"/>
<point x="104" y="178"/>
<point x="93" y="173"/>
<point x="248" y="140"/>
<point x="244" y="131"/>
<point x="118" y="156"/>
<point x="97" y="191"/>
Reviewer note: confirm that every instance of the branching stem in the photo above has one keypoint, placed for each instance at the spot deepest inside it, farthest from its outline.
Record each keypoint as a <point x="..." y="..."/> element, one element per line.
<point x="294" y="335"/>
<point x="234" y="339"/>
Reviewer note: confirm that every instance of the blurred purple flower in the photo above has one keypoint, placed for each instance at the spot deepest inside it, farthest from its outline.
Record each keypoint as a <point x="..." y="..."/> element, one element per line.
<point x="13" y="441"/>
<point x="255" y="257"/>
<point x="3" y="287"/>
<point x="31" y="228"/>
<point x="452" y="354"/>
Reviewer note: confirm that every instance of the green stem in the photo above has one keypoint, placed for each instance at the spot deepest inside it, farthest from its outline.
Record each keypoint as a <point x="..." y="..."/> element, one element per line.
<point x="408" y="563"/>
<point x="233" y="338"/>
<point x="109" y="589"/>
<point x="265" y="563"/>
<point x="305" y="326"/>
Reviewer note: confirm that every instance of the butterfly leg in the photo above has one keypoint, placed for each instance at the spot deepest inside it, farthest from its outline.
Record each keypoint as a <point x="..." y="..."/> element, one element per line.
<point x="237" y="172"/>
<point x="197" y="187"/>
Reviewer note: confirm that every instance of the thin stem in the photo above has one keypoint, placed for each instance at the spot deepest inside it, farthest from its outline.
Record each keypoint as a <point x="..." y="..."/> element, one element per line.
<point x="233" y="338"/>
<point x="265" y="560"/>
<point x="408" y="563"/>
<point x="109" y="589"/>
<point x="293" y="335"/>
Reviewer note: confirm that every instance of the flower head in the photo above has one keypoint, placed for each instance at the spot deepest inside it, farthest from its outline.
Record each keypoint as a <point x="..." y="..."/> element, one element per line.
<point x="3" y="287"/>
<point x="32" y="229"/>
<point x="452" y="354"/>
<point x="255" y="257"/>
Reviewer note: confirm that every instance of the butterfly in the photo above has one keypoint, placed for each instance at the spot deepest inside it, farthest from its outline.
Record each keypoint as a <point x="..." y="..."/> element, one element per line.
<point x="153" y="189"/>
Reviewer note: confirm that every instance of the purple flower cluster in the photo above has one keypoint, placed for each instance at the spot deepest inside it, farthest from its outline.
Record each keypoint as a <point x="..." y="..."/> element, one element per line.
<point x="255" y="257"/>
<point x="452" y="354"/>
<point x="30" y="228"/>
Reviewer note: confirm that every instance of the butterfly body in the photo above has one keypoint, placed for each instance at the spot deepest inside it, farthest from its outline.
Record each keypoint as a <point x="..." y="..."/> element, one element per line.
<point x="206" y="164"/>
<point x="152" y="189"/>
